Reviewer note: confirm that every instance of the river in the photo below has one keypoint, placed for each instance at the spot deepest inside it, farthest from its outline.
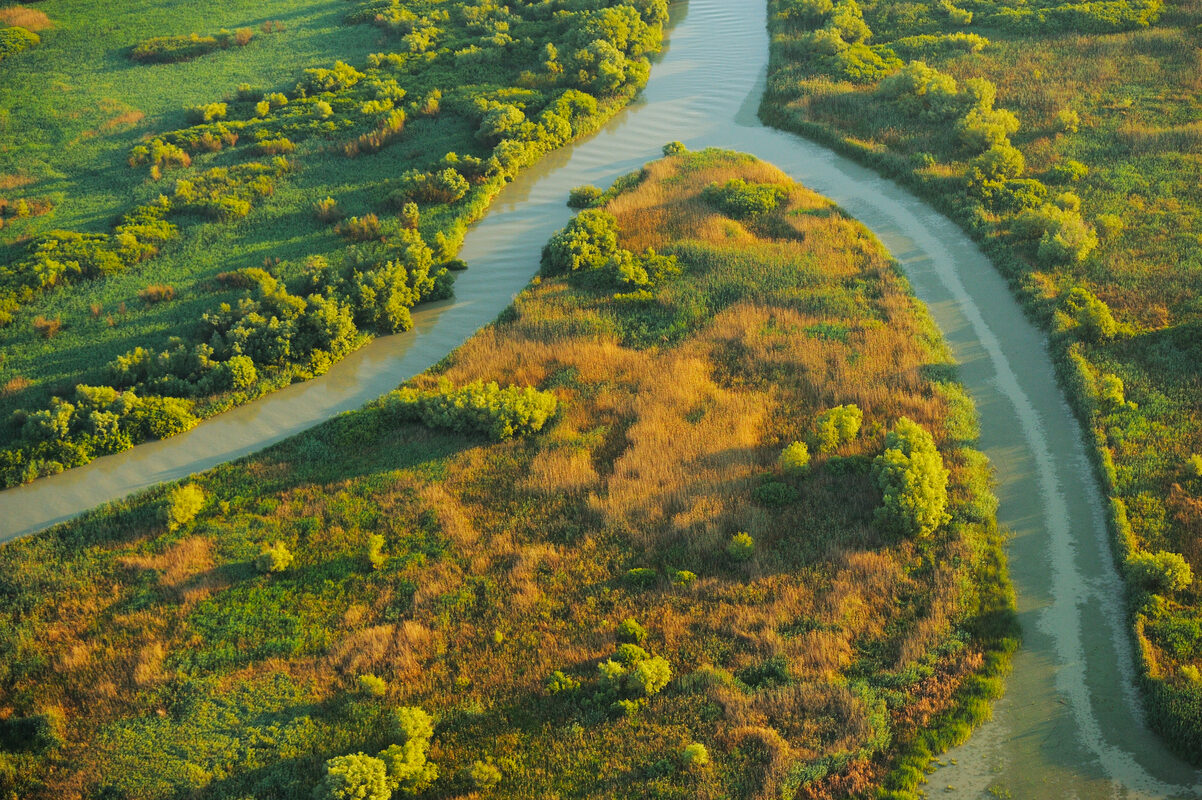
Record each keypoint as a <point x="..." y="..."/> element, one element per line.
<point x="1070" y="726"/>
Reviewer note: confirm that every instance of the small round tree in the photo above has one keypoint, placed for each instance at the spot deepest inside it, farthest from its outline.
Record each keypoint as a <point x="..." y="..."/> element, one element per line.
<point x="740" y="547"/>
<point x="274" y="558"/>
<point x="695" y="756"/>
<point x="484" y="775"/>
<point x="182" y="505"/>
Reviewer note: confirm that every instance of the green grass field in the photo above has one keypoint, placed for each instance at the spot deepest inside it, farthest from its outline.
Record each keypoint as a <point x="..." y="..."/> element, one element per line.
<point x="640" y="597"/>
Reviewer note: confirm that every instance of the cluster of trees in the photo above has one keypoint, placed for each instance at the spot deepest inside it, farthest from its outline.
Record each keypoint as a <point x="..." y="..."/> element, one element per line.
<point x="402" y="769"/>
<point x="62" y="257"/>
<point x="266" y="332"/>
<point x="995" y="175"/>
<point x="625" y="680"/>
<point x="589" y="244"/>
<point x="589" y="60"/>
<point x="477" y="407"/>
<point x="169" y="49"/>
<point x="96" y="421"/>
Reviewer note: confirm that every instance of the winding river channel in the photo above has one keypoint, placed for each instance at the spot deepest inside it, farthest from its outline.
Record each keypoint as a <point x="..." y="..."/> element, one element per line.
<point x="1070" y="725"/>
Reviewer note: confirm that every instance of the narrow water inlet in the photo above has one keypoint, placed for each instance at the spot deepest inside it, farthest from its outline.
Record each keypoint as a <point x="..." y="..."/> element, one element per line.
<point x="1070" y="725"/>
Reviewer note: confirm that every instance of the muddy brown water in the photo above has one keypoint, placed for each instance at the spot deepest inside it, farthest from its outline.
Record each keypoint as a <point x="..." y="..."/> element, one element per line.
<point x="1070" y="726"/>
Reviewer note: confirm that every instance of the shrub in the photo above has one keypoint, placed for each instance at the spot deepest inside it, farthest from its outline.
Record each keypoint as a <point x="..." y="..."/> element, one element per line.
<point x="157" y="293"/>
<point x="478" y="407"/>
<point x="167" y="49"/>
<point x="354" y="777"/>
<point x="410" y="216"/>
<point x="372" y="685"/>
<point x="1068" y="171"/>
<point x="913" y="481"/>
<point x="1068" y="120"/>
<point x="981" y="129"/>
<point x="375" y="551"/>
<point x="274" y="558"/>
<point x="584" y="197"/>
<point x="629" y="630"/>
<point x="1090" y="314"/>
<point x="642" y="577"/>
<point x="557" y="683"/>
<point x="1162" y="572"/>
<point x="999" y="163"/>
<point x="484" y="775"/>
<point x="837" y="426"/>
<point x="587" y="242"/>
<point x="739" y="199"/>
<point x="14" y="39"/>
<point x="208" y="112"/>
<point x="407" y="768"/>
<point x="182" y="505"/>
<point x="361" y="229"/>
<point x="1109" y="225"/>
<point x="695" y="756"/>
<point x="795" y="459"/>
<point x="774" y="494"/>
<point x="674" y="148"/>
<point x="682" y="577"/>
<point x="326" y="210"/>
<point x="1193" y="465"/>
<point x="281" y="145"/>
<point x="740" y="547"/>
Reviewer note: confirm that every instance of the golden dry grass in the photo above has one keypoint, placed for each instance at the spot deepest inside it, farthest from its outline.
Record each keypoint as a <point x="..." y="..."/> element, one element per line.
<point x="31" y="19"/>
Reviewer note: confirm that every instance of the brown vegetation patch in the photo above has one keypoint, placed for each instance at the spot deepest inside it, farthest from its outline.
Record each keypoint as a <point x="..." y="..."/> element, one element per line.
<point x="25" y="17"/>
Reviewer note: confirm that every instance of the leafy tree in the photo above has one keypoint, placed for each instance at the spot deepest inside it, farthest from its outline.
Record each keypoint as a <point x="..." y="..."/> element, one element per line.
<point x="741" y="199"/>
<point x="1160" y="572"/>
<point x="274" y="558"/>
<point x="182" y="505"/>
<point x="587" y="242"/>
<point x="354" y="777"/>
<point x="1090" y="314"/>
<point x="630" y="631"/>
<point x="913" y="480"/>
<point x="795" y="459"/>
<point x="372" y="685"/>
<point x="837" y="426"/>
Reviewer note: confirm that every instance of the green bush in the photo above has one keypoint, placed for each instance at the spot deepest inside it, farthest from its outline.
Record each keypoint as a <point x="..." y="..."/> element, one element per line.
<point x="484" y="775"/>
<point x="557" y="682"/>
<point x="795" y="459"/>
<point x="741" y="547"/>
<point x="740" y="199"/>
<point x="182" y="505"/>
<point x="674" y="149"/>
<point x="837" y="426"/>
<point x="478" y="407"/>
<point x="168" y="49"/>
<point x="1089" y="314"/>
<point x="14" y="39"/>
<point x="682" y="577"/>
<point x="583" y="197"/>
<point x="913" y="481"/>
<point x="1162" y="572"/>
<point x="695" y="756"/>
<point x="354" y="777"/>
<point x="372" y="685"/>
<point x="642" y="577"/>
<point x="774" y="494"/>
<point x="587" y="242"/>
<point x="629" y="630"/>
<point x="1193" y="465"/>
<point x="274" y="558"/>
